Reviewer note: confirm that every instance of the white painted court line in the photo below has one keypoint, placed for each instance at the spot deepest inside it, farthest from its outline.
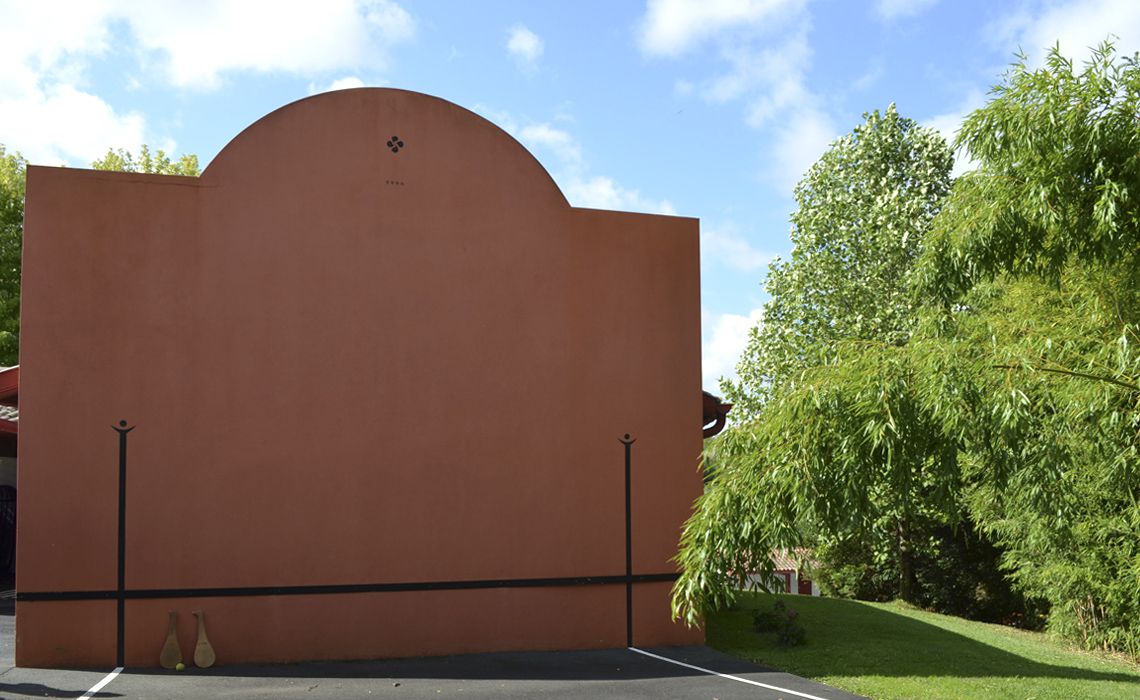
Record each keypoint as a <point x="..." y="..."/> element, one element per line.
<point x="99" y="686"/>
<point x="728" y="676"/>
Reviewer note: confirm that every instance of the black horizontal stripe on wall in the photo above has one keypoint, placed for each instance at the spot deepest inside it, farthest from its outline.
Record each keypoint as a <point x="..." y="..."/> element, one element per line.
<point x="254" y="591"/>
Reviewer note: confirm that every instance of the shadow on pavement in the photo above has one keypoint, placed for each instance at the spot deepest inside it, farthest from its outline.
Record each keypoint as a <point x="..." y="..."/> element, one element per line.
<point x="38" y="690"/>
<point x="590" y="665"/>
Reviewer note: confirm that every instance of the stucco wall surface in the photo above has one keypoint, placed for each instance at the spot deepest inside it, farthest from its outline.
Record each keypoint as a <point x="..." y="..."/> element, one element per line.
<point x="347" y="365"/>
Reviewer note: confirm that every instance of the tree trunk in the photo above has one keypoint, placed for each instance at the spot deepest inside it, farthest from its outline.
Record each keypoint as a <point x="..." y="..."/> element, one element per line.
<point x="908" y="584"/>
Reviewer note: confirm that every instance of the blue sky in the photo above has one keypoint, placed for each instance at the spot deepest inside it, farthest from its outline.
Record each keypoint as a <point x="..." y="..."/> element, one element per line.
<point x="704" y="108"/>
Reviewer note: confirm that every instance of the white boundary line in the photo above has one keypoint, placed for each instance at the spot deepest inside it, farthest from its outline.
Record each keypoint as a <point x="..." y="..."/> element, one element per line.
<point x="101" y="684"/>
<point x="728" y="676"/>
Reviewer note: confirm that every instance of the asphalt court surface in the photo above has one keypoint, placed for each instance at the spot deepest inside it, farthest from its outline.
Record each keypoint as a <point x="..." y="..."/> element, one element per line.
<point x="607" y="673"/>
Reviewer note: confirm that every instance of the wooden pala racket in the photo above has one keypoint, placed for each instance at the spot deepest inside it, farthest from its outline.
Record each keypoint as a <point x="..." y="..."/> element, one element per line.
<point x="204" y="656"/>
<point x="171" y="654"/>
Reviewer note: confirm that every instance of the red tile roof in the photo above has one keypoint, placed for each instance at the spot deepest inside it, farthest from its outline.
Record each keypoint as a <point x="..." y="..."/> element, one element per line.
<point x="785" y="560"/>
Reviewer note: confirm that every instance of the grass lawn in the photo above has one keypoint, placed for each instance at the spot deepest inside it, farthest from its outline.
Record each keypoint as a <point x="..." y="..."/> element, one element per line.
<point x="888" y="650"/>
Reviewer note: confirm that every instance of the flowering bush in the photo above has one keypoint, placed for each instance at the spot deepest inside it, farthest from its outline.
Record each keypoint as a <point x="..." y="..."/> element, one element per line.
<point x="782" y="620"/>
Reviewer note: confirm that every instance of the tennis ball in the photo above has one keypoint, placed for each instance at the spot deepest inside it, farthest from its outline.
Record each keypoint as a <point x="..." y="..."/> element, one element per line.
<point x="180" y="667"/>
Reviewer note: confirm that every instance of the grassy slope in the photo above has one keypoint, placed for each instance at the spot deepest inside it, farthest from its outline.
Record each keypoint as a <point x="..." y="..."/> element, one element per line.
<point x="889" y="651"/>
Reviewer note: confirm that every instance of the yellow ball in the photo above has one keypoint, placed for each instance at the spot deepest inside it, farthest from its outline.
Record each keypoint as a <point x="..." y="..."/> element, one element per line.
<point x="180" y="667"/>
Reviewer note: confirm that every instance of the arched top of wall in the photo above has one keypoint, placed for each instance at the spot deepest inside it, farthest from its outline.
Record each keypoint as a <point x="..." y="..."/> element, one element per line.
<point x="386" y="137"/>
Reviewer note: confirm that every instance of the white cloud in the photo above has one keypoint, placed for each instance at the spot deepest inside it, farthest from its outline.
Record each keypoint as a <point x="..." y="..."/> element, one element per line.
<point x="726" y="245"/>
<point x="524" y="46"/>
<point x="197" y="42"/>
<point x="1076" y="25"/>
<point x="569" y="169"/>
<point x="44" y="113"/>
<point x="558" y="141"/>
<point x="776" y="72"/>
<point x="893" y="9"/>
<point x="671" y="27"/>
<point x="60" y="125"/>
<point x="951" y="122"/>
<point x="561" y="154"/>
<point x="194" y="43"/>
<point x="40" y="38"/>
<point x="346" y="83"/>
<point x="500" y="117"/>
<point x="600" y="192"/>
<point x="800" y="141"/>
<point x="873" y="75"/>
<point x="764" y="47"/>
<point x="724" y="337"/>
<point x="774" y="82"/>
<point x="48" y="113"/>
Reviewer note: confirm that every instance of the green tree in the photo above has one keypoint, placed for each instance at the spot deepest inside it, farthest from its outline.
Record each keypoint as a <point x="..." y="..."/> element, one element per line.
<point x="1018" y="394"/>
<point x="1036" y="259"/>
<point x="855" y="448"/>
<point x="13" y="169"/>
<point x="1058" y="480"/>
<point x="862" y="210"/>
<point x="157" y="163"/>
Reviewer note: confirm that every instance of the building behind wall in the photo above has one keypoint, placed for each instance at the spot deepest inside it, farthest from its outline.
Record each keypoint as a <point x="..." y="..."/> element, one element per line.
<point x="9" y="432"/>
<point x="791" y="574"/>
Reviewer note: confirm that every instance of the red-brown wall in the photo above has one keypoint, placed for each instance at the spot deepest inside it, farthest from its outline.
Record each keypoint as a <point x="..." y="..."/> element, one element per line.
<point x="351" y="366"/>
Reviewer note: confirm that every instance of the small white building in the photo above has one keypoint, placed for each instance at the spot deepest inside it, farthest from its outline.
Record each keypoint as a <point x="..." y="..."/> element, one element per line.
<point x="791" y="574"/>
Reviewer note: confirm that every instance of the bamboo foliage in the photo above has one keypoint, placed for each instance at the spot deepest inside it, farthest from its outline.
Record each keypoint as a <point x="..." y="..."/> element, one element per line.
<point x="1012" y="398"/>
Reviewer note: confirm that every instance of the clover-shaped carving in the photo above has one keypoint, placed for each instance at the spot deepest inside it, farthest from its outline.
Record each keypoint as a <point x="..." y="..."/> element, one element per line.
<point x="395" y="144"/>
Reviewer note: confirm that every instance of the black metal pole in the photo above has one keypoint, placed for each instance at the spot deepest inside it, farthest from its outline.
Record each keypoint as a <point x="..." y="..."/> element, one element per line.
<point x="121" y="598"/>
<point x="628" y="544"/>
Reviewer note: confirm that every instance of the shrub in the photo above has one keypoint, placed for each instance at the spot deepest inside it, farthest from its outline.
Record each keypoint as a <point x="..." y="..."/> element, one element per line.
<point x="765" y="621"/>
<point x="782" y="620"/>
<point x="792" y="632"/>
